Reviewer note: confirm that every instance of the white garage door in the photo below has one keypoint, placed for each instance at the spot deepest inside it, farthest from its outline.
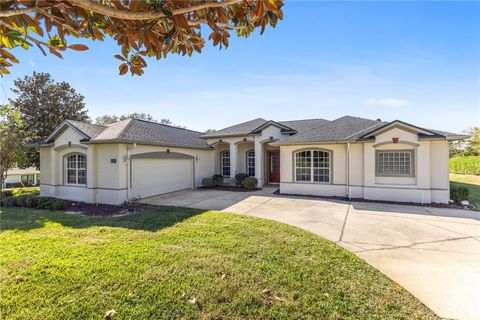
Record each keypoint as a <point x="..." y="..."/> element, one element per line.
<point x="156" y="176"/>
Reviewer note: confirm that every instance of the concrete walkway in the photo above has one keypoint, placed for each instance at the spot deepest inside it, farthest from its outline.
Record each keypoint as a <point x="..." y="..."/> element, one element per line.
<point x="433" y="253"/>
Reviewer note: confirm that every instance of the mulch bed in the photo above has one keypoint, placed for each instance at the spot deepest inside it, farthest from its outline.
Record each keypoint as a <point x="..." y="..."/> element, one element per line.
<point x="453" y="205"/>
<point x="91" y="209"/>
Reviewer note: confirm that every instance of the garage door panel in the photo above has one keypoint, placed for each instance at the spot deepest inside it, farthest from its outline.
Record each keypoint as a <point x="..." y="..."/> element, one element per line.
<point x="156" y="176"/>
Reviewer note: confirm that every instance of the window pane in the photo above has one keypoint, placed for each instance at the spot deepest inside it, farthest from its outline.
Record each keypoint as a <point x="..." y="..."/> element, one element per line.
<point x="72" y="162"/>
<point x="251" y="163"/>
<point x="303" y="166"/>
<point x="71" y="176"/>
<point x="76" y="166"/>
<point x="394" y="163"/>
<point x="225" y="163"/>
<point x="82" y="176"/>
<point x="82" y="162"/>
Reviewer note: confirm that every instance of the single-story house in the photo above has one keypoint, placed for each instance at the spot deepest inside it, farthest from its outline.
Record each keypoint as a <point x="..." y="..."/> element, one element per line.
<point x="347" y="157"/>
<point x="25" y="177"/>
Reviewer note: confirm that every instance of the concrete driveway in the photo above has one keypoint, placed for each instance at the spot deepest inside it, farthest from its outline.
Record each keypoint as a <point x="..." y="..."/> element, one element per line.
<point x="433" y="253"/>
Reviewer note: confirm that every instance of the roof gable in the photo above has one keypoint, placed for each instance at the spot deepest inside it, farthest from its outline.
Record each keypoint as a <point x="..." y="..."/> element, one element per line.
<point x="243" y="128"/>
<point x="342" y="129"/>
<point x="87" y="130"/>
<point x="402" y="125"/>
<point x="282" y="127"/>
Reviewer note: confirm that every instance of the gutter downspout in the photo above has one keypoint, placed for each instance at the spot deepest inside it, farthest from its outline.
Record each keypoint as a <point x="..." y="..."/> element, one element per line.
<point x="129" y="169"/>
<point x="348" y="171"/>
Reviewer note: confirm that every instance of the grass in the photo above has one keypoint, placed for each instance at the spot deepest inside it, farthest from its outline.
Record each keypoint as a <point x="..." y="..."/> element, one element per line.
<point x="21" y="191"/>
<point x="177" y="263"/>
<point x="472" y="183"/>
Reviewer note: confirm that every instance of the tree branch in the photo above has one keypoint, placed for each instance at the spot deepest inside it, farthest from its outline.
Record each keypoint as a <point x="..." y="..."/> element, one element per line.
<point x="122" y="14"/>
<point x="146" y="15"/>
<point x="16" y="12"/>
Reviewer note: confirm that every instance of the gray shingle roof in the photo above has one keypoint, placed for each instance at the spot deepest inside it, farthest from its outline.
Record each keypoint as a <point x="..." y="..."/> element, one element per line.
<point x="308" y="131"/>
<point x="342" y="129"/>
<point x="243" y="128"/>
<point x="90" y="130"/>
<point x="140" y="131"/>
<point x="304" y="125"/>
<point x="249" y="126"/>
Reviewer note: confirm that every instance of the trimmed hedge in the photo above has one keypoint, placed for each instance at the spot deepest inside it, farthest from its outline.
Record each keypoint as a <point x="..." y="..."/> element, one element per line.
<point x="208" y="183"/>
<point x="217" y="179"/>
<point x="35" y="202"/>
<point x="250" y="182"/>
<point x="465" y="165"/>
<point x="240" y="177"/>
<point x="458" y="194"/>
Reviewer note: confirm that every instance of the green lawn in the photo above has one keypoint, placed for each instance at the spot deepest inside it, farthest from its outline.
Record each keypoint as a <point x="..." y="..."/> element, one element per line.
<point x="472" y="183"/>
<point x="26" y="190"/>
<point x="176" y="263"/>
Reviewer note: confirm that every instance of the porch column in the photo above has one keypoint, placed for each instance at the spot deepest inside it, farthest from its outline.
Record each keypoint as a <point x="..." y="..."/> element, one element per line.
<point x="233" y="160"/>
<point x="259" y="162"/>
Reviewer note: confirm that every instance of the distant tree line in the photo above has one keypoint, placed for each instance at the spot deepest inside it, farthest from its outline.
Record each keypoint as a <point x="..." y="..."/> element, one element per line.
<point x="39" y="105"/>
<point x="470" y="147"/>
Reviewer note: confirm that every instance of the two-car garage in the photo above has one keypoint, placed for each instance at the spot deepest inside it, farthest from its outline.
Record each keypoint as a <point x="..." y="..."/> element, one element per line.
<point x="156" y="173"/>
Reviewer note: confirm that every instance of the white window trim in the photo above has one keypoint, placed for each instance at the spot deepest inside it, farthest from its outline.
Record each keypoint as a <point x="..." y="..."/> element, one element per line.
<point x="312" y="167"/>
<point x="65" y="171"/>
<point x="222" y="154"/>
<point x="248" y="157"/>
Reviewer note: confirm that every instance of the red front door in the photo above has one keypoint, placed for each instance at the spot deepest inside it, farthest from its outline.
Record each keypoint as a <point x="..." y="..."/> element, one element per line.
<point x="274" y="166"/>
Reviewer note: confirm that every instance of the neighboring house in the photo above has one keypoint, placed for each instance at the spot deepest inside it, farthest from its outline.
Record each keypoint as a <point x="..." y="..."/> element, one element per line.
<point x="26" y="177"/>
<point x="347" y="157"/>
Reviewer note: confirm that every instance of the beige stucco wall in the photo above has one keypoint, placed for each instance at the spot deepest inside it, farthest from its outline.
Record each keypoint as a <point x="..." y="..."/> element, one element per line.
<point x="242" y="149"/>
<point x="106" y="181"/>
<point x="429" y="184"/>
<point x="203" y="166"/>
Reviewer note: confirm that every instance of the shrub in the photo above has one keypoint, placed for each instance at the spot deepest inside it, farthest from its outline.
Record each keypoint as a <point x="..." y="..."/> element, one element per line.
<point x="57" y="204"/>
<point x="43" y="203"/>
<point x="250" y="182"/>
<point x="7" y="193"/>
<point x="218" y="179"/>
<point x="240" y="177"/>
<point x="208" y="183"/>
<point x="9" y="202"/>
<point x="14" y="185"/>
<point x="465" y="165"/>
<point x="35" y="202"/>
<point x="31" y="202"/>
<point x="133" y="203"/>
<point x="21" y="200"/>
<point x="458" y="194"/>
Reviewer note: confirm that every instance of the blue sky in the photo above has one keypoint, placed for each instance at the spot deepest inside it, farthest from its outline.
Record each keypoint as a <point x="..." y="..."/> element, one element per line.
<point x="414" y="61"/>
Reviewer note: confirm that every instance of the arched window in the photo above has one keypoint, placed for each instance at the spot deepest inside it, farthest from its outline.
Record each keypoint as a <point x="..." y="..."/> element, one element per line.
<point x="251" y="163"/>
<point x="225" y="163"/>
<point x="313" y="166"/>
<point x="76" y="169"/>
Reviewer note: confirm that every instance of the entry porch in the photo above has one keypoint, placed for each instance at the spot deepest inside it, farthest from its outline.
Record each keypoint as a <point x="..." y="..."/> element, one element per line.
<point x="248" y="155"/>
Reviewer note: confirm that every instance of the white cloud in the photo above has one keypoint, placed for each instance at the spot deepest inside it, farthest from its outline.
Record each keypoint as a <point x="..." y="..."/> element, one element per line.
<point x="388" y="102"/>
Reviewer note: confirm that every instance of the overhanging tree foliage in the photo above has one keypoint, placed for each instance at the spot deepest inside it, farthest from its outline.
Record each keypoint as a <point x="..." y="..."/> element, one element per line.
<point x="141" y="28"/>
<point x="11" y="140"/>
<point x="43" y="104"/>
